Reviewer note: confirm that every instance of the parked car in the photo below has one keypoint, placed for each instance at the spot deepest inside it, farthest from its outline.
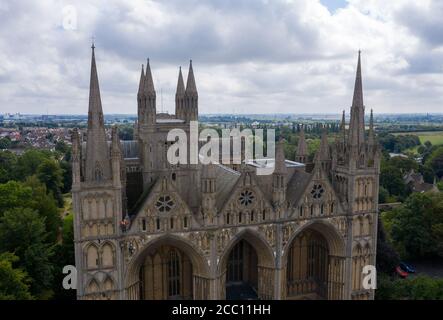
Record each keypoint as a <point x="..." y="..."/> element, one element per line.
<point x="407" y="267"/>
<point x="400" y="272"/>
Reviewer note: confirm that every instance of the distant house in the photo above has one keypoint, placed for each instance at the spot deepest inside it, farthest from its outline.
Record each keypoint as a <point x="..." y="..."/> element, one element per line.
<point x="416" y="182"/>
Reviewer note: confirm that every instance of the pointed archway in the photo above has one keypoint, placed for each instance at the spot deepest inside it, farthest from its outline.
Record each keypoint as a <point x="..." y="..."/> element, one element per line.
<point x="247" y="268"/>
<point x="168" y="268"/>
<point x="314" y="264"/>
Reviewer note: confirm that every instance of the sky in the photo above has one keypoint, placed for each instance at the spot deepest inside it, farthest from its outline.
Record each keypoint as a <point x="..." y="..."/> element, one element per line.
<point x="249" y="56"/>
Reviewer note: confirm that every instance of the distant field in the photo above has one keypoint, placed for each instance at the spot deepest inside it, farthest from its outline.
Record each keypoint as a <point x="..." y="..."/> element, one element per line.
<point x="435" y="137"/>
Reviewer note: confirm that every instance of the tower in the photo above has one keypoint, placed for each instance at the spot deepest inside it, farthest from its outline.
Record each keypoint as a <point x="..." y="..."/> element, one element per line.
<point x="180" y="108"/>
<point x="301" y="154"/>
<point x="355" y="175"/>
<point x="191" y="97"/>
<point x="98" y="196"/>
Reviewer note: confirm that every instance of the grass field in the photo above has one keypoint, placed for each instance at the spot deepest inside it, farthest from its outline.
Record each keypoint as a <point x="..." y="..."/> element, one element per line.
<point x="435" y="137"/>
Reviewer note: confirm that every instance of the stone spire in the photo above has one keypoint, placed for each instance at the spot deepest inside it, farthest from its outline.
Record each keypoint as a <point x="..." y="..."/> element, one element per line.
<point x="343" y="122"/>
<point x="357" y="124"/>
<point x="116" y="156"/>
<point x="302" y="148"/>
<point x="341" y="136"/>
<point x="280" y="165"/>
<point x="371" y="135"/>
<point x="141" y="83"/>
<point x="180" y="96"/>
<point x="76" y="147"/>
<point x="191" y="88"/>
<point x="323" y="153"/>
<point x="149" y="89"/>
<point x="115" y="142"/>
<point x="97" y="166"/>
<point x="191" y="97"/>
<point x="148" y="106"/>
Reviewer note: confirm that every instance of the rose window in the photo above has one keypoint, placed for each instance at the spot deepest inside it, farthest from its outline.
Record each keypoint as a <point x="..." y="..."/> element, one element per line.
<point x="317" y="191"/>
<point x="164" y="204"/>
<point x="246" y="198"/>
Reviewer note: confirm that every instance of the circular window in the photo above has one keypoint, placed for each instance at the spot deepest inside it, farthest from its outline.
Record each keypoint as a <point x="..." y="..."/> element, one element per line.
<point x="164" y="204"/>
<point x="317" y="191"/>
<point x="246" y="198"/>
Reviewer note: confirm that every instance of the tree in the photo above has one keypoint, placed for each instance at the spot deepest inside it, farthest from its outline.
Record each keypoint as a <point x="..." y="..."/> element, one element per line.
<point x="5" y="143"/>
<point x="46" y="206"/>
<point x="67" y="175"/>
<point x="29" y="162"/>
<point x="14" y="283"/>
<point x="50" y="173"/>
<point x="32" y="194"/>
<point x="64" y="255"/>
<point x="435" y="161"/>
<point x="417" y="226"/>
<point x="13" y="194"/>
<point x="391" y="179"/>
<point x="8" y="166"/>
<point x="387" y="257"/>
<point x="22" y="231"/>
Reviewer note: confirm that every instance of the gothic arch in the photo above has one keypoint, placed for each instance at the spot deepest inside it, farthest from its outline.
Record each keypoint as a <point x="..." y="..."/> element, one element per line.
<point x="264" y="266"/>
<point x="335" y="240"/>
<point x="313" y="261"/>
<point x="257" y="241"/>
<point x="200" y="268"/>
<point x="92" y="287"/>
<point x="107" y="253"/>
<point x="92" y="260"/>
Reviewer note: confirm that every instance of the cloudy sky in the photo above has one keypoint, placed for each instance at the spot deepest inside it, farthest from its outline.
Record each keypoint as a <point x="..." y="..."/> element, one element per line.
<point x="249" y="56"/>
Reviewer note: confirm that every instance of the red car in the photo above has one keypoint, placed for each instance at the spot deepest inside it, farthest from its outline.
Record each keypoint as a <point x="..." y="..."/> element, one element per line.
<point x="400" y="272"/>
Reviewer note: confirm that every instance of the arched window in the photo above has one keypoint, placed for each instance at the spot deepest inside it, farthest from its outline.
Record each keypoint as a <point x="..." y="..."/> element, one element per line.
<point x="228" y="216"/>
<point x="174" y="274"/>
<point x="264" y="215"/>
<point x="332" y="207"/>
<point x="300" y="211"/>
<point x="158" y="223"/>
<point x="322" y="209"/>
<point x="92" y="257"/>
<point x="107" y="255"/>
<point x="252" y="215"/>
<point x="312" y="210"/>
<point x="98" y="172"/>
<point x="240" y="216"/>
<point x="92" y="287"/>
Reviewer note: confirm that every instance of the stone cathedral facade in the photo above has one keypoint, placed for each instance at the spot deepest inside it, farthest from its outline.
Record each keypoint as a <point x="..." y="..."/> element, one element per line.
<point x="146" y="229"/>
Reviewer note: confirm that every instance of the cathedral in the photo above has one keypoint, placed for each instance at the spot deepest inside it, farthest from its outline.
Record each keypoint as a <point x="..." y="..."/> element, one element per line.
<point x="148" y="229"/>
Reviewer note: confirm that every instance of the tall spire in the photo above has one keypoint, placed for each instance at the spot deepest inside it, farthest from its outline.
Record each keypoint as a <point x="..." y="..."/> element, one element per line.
<point x="323" y="153"/>
<point x="191" y="97"/>
<point x="302" y="148"/>
<point x="280" y="165"/>
<point x="149" y="89"/>
<point x="357" y="124"/>
<point x="142" y="82"/>
<point x="180" y="83"/>
<point x="97" y="162"/>
<point x="343" y="122"/>
<point x="371" y="137"/>
<point x="179" y="96"/>
<point x="190" y="84"/>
